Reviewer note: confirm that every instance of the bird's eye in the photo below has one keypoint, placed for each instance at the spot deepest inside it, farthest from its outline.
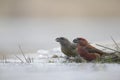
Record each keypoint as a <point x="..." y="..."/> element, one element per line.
<point x="62" y="38"/>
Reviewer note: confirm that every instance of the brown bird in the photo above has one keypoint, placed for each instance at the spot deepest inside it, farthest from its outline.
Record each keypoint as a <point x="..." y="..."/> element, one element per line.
<point x="68" y="48"/>
<point x="83" y="51"/>
<point x="83" y="42"/>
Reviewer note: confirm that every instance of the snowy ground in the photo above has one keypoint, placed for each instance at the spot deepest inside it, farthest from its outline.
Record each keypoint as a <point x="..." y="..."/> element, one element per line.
<point x="44" y="67"/>
<point x="58" y="71"/>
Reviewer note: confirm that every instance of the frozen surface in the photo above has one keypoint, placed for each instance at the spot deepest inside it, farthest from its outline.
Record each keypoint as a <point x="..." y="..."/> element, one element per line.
<point x="45" y="67"/>
<point x="59" y="71"/>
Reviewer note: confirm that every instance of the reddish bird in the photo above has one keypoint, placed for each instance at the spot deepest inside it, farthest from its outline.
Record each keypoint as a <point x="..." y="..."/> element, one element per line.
<point x="86" y="55"/>
<point x="84" y="43"/>
<point x="87" y="51"/>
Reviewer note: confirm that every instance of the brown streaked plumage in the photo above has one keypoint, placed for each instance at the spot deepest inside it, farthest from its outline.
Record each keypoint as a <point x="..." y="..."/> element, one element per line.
<point x="68" y="48"/>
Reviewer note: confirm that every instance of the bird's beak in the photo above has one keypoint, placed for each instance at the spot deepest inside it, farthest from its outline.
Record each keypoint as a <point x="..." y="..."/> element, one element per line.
<point x="57" y="39"/>
<point x="76" y="41"/>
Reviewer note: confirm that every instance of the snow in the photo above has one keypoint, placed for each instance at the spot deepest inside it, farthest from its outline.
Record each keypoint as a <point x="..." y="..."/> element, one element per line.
<point x="58" y="71"/>
<point x="44" y="67"/>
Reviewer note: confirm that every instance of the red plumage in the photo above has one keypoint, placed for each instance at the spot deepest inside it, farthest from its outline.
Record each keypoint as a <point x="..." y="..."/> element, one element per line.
<point x="83" y="52"/>
<point x="83" y="42"/>
<point x="87" y="51"/>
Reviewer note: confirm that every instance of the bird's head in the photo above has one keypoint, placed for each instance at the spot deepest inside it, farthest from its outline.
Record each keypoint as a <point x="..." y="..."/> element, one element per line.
<point x="62" y="40"/>
<point x="81" y="41"/>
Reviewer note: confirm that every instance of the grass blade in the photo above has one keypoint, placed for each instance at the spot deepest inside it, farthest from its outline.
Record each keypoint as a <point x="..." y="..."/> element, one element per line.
<point x="19" y="59"/>
<point x="108" y="48"/>
<point x="23" y="54"/>
<point x="115" y="43"/>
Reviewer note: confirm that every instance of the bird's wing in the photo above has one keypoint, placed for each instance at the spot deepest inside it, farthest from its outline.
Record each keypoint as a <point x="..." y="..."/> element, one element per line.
<point x="95" y="50"/>
<point x="73" y="46"/>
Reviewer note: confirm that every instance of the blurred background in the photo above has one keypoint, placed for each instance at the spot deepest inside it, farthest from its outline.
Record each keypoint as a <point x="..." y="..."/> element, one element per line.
<point x="34" y="24"/>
